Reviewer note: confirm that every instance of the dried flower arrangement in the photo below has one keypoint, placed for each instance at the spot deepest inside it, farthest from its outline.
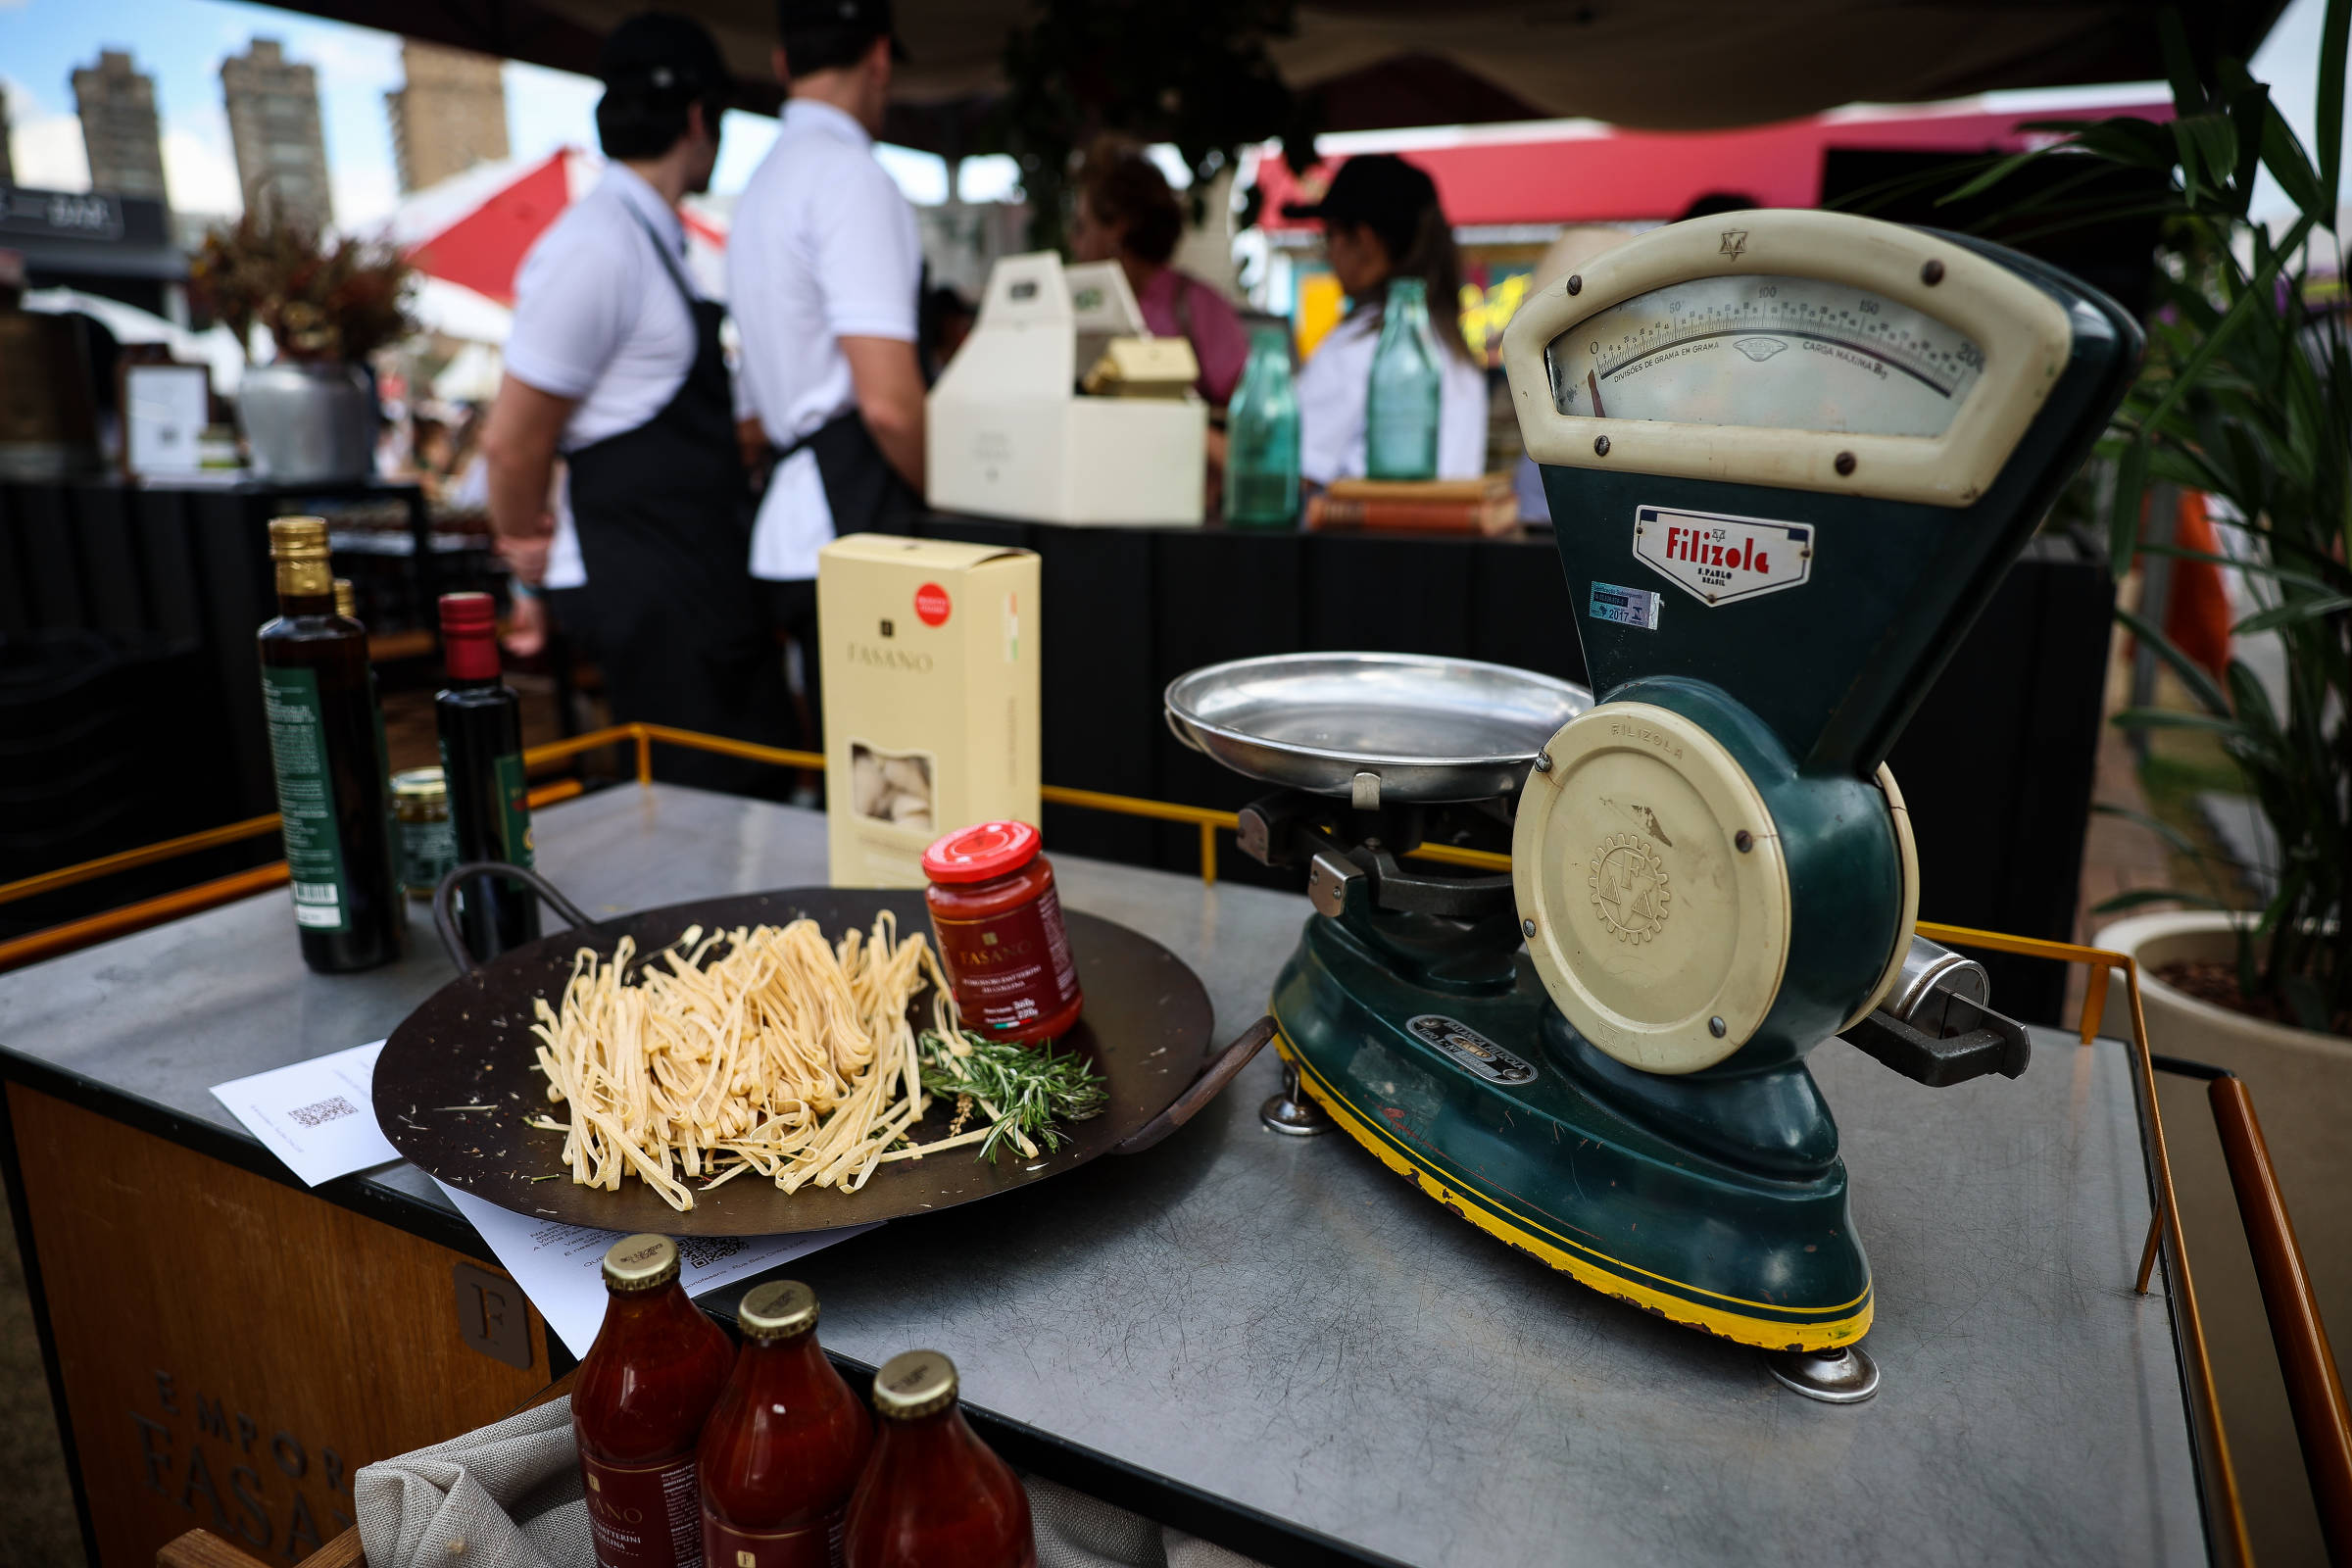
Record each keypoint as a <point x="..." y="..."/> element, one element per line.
<point x="319" y="300"/>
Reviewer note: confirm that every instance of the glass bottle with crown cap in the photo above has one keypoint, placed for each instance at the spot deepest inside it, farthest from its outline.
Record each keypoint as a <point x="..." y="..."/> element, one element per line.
<point x="638" y="1405"/>
<point x="480" y="722"/>
<point x="1401" y="407"/>
<point x="785" y="1446"/>
<point x="326" y="742"/>
<point x="933" y="1495"/>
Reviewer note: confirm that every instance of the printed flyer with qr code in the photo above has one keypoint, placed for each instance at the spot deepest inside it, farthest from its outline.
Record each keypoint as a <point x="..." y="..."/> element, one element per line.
<point x="317" y="1116"/>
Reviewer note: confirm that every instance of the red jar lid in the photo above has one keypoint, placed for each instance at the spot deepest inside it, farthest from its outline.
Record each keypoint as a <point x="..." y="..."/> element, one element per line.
<point x="977" y="854"/>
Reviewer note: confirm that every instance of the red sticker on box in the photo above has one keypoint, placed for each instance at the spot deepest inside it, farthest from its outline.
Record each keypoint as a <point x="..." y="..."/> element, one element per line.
<point x="931" y="605"/>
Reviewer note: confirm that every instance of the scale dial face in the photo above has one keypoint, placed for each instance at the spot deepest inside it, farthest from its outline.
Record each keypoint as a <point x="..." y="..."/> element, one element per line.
<point x="1777" y="353"/>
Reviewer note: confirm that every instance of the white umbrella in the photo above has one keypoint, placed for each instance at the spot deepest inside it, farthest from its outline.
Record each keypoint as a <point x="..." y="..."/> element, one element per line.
<point x="217" y="349"/>
<point x="456" y="310"/>
<point x="470" y="378"/>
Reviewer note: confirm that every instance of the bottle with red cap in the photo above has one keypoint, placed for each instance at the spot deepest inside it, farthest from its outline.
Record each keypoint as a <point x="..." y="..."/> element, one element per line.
<point x="480" y="721"/>
<point x="998" y="923"/>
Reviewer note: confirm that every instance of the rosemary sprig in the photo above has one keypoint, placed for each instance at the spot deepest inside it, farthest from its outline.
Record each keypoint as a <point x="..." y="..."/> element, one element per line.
<point x="1031" y="1088"/>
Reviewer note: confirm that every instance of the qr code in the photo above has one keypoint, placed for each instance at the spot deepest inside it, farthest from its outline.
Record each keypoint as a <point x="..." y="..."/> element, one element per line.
<point x="701" y="1251"/>
<point x="325" y="1111"/>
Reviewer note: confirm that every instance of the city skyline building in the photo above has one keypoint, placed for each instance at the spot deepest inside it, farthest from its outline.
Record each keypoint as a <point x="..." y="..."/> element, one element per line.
<point x="273" y="105"/>
<point x="120" y="134"/>
<point x="448" y="114"/>
<point x="8" y="172"/>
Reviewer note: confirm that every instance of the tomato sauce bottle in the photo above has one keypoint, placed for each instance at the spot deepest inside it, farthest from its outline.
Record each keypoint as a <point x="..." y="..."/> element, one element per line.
<point x="933" y="1495"/>
<point x="785" y="1447"/>
<point x="999" y="921"/>
<point x="638" y="1405"/>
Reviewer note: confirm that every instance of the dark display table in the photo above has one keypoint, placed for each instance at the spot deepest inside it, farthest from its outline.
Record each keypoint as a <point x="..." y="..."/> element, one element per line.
<point x="1267" y="1341"/>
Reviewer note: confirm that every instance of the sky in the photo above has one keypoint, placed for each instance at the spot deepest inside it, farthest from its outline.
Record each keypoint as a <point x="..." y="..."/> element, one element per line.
<point x="181" y="43"/>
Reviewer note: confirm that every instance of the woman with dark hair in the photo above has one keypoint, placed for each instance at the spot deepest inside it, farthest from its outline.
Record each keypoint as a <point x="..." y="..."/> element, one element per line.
<point x="1381" y="220"/>
<point x="1127" y="213"/>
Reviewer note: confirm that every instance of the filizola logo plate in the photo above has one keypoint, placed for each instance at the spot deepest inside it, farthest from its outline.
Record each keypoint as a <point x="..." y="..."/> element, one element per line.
<point x="1718" y="557"/>
<point x="1471" y="1048"/>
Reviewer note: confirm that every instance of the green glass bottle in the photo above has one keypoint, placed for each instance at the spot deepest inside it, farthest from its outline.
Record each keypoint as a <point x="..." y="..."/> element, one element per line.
<point x="327" y="745"/>
<point x="1261" y="431"/>
<point x="1401" y="408"/>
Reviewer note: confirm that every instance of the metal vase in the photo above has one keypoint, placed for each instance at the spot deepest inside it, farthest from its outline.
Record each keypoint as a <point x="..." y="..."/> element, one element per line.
<point x="309" y="422"/>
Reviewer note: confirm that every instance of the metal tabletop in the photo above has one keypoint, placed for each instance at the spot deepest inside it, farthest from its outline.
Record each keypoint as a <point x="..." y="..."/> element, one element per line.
<point x="1275" y="1331"/>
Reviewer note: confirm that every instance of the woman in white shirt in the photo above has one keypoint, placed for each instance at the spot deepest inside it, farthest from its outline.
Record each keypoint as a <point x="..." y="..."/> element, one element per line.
<point x="1381" y="220"/>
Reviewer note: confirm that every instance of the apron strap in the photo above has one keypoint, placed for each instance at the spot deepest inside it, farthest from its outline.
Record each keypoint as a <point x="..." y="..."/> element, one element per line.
<point x="669" y="262"/>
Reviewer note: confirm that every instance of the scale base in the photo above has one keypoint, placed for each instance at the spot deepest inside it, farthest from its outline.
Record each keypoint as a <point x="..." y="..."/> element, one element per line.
<point x="1479" y="1096"/>
<point x="1290" y="1112"/>
<point x="1844" y="1376"/>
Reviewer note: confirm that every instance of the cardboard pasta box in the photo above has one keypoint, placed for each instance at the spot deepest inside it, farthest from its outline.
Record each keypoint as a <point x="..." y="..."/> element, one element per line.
<point x="930" y="669"/>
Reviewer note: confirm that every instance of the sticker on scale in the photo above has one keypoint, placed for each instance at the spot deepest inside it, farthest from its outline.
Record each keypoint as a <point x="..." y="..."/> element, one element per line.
<point x="1718" y="559"/>
<point x="1627" y="607"/>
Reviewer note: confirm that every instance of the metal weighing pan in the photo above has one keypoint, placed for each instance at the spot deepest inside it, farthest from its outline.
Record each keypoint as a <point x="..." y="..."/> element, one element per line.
<point x="1427" y="729"/>
<point x="1146" y="1026"/>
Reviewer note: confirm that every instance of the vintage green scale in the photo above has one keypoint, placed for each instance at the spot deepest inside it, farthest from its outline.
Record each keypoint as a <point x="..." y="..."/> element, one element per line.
<point x="1789" y="455"/>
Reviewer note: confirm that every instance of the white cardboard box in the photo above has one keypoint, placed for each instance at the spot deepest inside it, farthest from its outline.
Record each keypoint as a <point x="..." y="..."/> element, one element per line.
<point x="930" y="667"/>
<point x="1010" y="436"/>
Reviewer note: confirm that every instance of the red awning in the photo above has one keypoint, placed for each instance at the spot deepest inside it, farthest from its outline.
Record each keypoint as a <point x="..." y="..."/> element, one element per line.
<point x="1583" y="172"/>
<point x="474" y="228"/>
<point x="484" y="243"/>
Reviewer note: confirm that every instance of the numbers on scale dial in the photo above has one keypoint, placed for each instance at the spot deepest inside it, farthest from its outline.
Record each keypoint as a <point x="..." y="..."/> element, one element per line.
<point x="1781" y="353"/>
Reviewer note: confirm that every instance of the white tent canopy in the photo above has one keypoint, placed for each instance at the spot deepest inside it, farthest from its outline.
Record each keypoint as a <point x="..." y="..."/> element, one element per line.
<point x="217" y="349"/>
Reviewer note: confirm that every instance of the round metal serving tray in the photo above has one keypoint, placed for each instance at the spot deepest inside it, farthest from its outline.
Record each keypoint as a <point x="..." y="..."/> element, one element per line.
<point x="1429" y="729"/>
<point x="457" y="1084"/>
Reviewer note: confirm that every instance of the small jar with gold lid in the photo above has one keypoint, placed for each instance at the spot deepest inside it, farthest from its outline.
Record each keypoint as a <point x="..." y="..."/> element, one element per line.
<point x="427" y="842"/>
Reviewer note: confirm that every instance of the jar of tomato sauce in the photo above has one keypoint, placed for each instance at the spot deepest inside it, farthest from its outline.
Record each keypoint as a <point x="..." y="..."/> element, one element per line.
<point x="1000" y="937"/>
<point x="638" y="1406"/>
<point x="785" y="1446"/>
<point x="933" y="1495"/>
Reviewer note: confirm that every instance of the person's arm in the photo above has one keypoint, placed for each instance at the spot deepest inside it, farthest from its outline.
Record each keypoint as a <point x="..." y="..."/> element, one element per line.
<point x="890" y="399"/>
<point x="519" y="446"/>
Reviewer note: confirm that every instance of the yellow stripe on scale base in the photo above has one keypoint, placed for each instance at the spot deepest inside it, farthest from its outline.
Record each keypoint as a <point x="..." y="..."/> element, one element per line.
<point x="1592" y="1269"/>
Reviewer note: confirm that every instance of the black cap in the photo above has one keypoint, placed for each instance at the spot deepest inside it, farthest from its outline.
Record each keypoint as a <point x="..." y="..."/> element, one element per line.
<point x="865" y="18"/>
<point x="1373" y="188"/>
<point x="658" y="54"/>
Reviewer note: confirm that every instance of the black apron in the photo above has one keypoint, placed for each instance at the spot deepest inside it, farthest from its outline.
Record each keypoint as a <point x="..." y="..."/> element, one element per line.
<point x="866" y="495"/>
<point x="671" y="614"/>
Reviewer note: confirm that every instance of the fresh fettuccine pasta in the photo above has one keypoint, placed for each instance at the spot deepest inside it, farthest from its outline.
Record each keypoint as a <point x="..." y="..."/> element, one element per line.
<point x="785" y="1055"/>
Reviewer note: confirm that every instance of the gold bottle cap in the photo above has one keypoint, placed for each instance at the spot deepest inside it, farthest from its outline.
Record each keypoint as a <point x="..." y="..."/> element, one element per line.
<point x="777" y="1310"/>
<point x="419" y="784"/>
<point x="347" y="600"/>
<point x="913" y="1385"/>
<point x="641" y="1263"/>
<point x="298" y="538"/>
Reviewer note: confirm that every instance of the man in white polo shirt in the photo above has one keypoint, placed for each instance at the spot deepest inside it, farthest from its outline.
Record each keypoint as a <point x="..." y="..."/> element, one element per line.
<point x="824" y="267"/>
<point x="614" y="362"/>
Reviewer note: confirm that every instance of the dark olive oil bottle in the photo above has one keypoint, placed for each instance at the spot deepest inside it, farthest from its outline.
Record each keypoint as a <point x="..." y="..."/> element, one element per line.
<point x="326" y="742"/>
<point x="480" y="721"/>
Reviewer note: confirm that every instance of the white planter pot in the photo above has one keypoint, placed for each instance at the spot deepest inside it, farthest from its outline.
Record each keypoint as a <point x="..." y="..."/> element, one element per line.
<point x="307" y="422"/>
<point x="2301" y="1083"/>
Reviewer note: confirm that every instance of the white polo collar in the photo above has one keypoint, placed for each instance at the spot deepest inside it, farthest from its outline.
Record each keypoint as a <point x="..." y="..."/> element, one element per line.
<point x="810" y="113"/>
<point x="633" y="190"/>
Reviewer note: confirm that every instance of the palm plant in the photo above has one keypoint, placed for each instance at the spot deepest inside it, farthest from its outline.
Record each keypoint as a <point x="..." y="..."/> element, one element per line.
<point x="2248" y="396"/>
